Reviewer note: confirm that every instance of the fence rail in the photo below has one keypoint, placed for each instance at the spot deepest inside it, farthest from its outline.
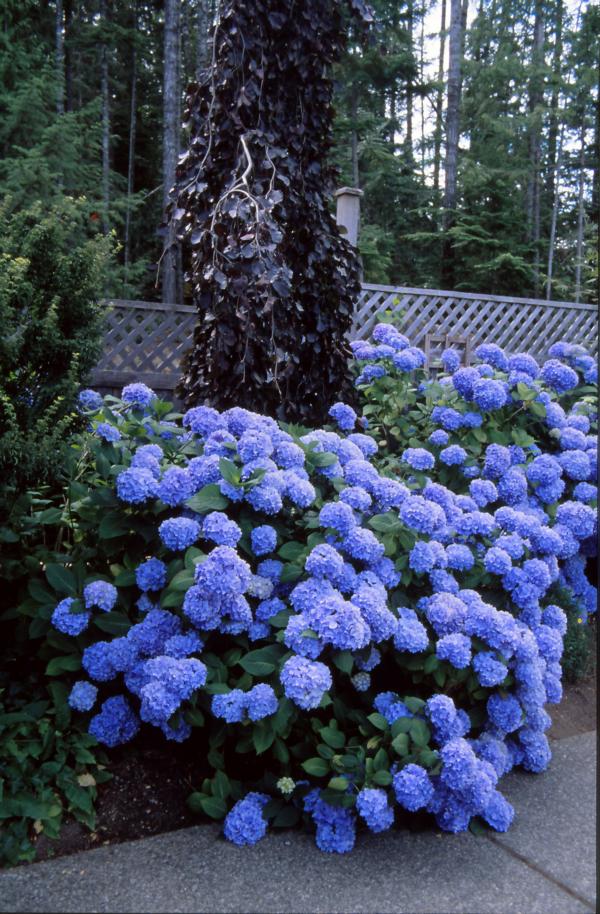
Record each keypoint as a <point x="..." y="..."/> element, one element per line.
<point x="145" y="341"/>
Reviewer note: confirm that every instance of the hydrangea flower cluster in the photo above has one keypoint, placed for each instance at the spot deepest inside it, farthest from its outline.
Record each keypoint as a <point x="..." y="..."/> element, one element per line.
<point x="281" y="570"/>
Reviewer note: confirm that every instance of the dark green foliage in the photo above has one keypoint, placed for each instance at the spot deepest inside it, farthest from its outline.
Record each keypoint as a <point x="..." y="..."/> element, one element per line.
<point x="385" y="98"/>
<point x="578" y="658"/>
<point x="51" y="264"/>
<point x="49" y="768"/>
<point x="373" y="84"/>
<point x="273" y="280"/>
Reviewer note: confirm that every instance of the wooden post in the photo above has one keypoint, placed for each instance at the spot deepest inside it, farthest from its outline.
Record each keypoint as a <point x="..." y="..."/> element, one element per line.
<point x="348" y="212"/>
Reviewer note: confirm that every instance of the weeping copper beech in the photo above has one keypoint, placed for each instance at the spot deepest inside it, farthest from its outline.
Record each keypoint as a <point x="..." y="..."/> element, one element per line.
<point x="273" y="280"/>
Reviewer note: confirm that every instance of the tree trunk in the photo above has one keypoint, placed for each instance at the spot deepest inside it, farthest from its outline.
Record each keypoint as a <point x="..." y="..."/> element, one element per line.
<point x="554" y="218"/>
<point x="437" y="148"/>
<point x="536" y="98"/>
<point x="354" y="136"/>
<point x="131" y="154"/>
<point x="60" y="58"/>
<point x="105" y="122"/>
<point x="580" y="213"/>
<point x="409" y="83"/>
<point x="595" y="204"/>
<point x="456" y="46"/>
<point x="201" y="37"/>
<point x="68" y="6"/>
<point x="170" y="140"/>
<point x="422" y="81"/>
<point x="552" y="175"/>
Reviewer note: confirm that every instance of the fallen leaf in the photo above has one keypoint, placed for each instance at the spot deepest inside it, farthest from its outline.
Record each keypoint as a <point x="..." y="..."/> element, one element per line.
<point x="86" y="780"/>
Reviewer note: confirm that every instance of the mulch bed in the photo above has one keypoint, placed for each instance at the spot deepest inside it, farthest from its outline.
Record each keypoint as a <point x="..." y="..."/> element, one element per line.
<point x="147" y="794"/>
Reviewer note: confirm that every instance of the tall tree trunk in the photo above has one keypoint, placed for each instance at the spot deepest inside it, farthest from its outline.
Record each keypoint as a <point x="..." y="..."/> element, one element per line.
<point x="437" y="146"/>
<point x="554" y="218"/>
<point x="536" y="98"/>
<point x="552" y="176"/>
<point x="422" y="81"/>
<point x="131" y="153"/>
<point x="68" y="6"/>
<point x="580" y="213"/>
<point x="595" y="151"/>
<point x="452" y="134"/>
<point x="60" y="58"/>
<point x="170" y="140"/>
<point x="409" y="82"/>
<point x="104" y="13"/>
<point x="201" y="37"/>
<point x="354" y="136"/>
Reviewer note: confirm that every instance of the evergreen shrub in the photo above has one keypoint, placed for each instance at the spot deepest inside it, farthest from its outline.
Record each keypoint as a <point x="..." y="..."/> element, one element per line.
<point x="51" y="262"/>
<point x="355" y="625"/>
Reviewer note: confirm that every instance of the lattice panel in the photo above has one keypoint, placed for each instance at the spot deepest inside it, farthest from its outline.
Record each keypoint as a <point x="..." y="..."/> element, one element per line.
<point x="145" y="341"/>
<point x="516" y="324"/>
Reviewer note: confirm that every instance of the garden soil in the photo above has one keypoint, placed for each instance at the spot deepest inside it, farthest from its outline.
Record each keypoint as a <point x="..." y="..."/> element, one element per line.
<point x="147" y="794"/>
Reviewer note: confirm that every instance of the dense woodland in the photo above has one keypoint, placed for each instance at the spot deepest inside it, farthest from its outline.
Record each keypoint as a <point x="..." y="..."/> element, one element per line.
<point x="471" y="128"/>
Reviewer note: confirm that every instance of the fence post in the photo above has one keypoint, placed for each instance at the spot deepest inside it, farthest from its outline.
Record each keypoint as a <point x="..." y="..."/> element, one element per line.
<point x="348" y="212"/>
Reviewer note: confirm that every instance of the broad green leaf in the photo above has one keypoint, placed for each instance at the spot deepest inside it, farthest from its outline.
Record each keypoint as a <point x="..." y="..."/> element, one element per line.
<point x="431" y="664"/>
<point x="414" y="704"/>
<point x="172" y="598"/>
<point x="291" y="551"/>
<point x="344" y="661"/>
<point x="209" y="498"/>
<point x="401" y="725"/>
<point x="221" y="787"/>
<point x="333" y="737"/>
<point x="317" y="767"/>
<point x="538" y="409"/>
<point x="113" y="623"/>
<point x="229" y="471"/>
<point x="61" y="579"/>
<point x="39" y="592"/>
<point x="385" y="523"/>
<point x="324" y="459"/>
<point x="125" y="578"/>
<point x="325" y="752"/>
<point x="400" y="744"/>
<point x="381" y="760"/>
<point x="378" y="721"/>
<point x="193" y="555"/>
<point x="263" y="735"/>
<point x="382" y="778"/>
<point x="59" y="665"/>
<point x="262" y="661"/>
<point x="28" y="806"/>
<point x="194" y="717"/>
<point x="112" y="525"/>
<point x="338" y="783"/>
<point x="290" y="573"/>
<point x="419" y="732"/>
<point x="182" y="581"/>
<point x="214" y="807"/>
<point x="50" y="516"/>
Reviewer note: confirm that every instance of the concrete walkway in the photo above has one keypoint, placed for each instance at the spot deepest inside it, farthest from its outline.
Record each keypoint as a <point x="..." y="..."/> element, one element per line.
<point x="544" y="865"/>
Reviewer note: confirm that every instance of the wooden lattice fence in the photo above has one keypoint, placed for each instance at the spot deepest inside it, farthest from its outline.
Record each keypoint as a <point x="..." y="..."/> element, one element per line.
<point x="145" y="341"/>
<point x="516" y="324"/>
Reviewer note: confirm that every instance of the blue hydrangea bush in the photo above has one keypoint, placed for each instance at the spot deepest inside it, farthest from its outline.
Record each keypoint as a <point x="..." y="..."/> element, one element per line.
<point x="356" y="625"/>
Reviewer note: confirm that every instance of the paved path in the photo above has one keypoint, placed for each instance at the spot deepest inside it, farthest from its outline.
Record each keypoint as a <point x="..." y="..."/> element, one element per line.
<point x="544" y="865"/>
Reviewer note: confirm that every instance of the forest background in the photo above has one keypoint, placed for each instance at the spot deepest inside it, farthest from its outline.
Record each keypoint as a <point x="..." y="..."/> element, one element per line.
<point x="471" y="127"/>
